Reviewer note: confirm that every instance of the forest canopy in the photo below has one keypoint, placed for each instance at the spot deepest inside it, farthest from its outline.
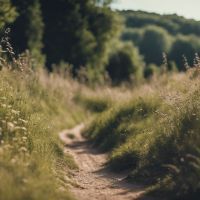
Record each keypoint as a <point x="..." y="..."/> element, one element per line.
<point x="88" y="34"/>
<point x="156" y="34"/>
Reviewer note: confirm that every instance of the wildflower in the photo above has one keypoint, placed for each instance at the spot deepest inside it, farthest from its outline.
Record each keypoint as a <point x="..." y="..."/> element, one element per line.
<point x="23" y="128"/>
<point x="13" y="161"/>
<point x="182" y="159"/>
<point x="3" y="105"/>
<point x="15" y="122"/>
<point x="23" y="121"/>
<point x="24" y="139"/>
<point x="10" y="126"/>
<point x="25" y="180"/>
<point x="15" y="112"/>
<point x="23" y="149"/>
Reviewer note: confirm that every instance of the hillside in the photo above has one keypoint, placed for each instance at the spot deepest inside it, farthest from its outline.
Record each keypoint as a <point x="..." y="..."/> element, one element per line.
<point x="98" y="104"/>
<point x="155" y="34"/>
<point x="174" y="24"/>
<point x="150" y="132"/>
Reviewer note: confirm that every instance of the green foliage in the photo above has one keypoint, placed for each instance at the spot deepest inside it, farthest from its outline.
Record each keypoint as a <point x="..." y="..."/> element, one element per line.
<point x="172" y="23"/>
<point x="184" y="47"/>
<point x="33" y="109"/>
<point x="154" y="34"/>
<point x="125" y="63"/>
<point x="78" y="32"/>
<point x="35" y="31"/>
<point x="7" y="13"/>
<point x="154" y="43"/>
<point x="27" y="30"/>
<point x="155" y="134"/>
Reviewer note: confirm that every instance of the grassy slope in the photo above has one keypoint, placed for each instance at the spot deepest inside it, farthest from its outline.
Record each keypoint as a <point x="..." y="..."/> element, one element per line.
<point x="33" y="109"/>
<point x="154" y="132"/>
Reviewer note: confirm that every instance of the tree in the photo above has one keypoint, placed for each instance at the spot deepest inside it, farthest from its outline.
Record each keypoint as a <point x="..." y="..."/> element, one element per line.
<point x="124" y="63"/>
<point x="155" y="42"/>
<point x="7" y="13"/>
<point x="35" y="30"/>
<point x="183" y="48"/>
<point x="150" y="71"/>
<point x="28" y="28"/>
<point x="132" y="34"/>
<point x="78" y="32"/>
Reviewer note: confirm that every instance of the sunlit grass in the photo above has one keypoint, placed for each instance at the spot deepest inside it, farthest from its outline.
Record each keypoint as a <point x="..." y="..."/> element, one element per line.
<point x="152" y="130"/>
<point x="32" y="112"/>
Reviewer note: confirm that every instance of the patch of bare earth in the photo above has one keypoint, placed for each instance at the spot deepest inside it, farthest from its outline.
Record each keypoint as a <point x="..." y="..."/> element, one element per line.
<point x="93" y="181"/>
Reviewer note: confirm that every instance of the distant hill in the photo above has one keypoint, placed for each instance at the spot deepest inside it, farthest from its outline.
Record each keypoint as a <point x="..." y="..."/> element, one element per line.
<point x="154" y="34"/>
<point x="174" y="24"/>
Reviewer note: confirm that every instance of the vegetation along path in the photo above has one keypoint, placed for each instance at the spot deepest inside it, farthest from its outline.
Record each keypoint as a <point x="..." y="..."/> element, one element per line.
<point x="92" y="180"/>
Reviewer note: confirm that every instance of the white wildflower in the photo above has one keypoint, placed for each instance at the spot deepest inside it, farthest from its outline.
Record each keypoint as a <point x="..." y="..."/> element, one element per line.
<point x="23" y="128"/>
<point x="24" y="139"/>
<point x="23" y="121"/>
<point x="15" y="112"/>
<point x="10" y="126"/>
<point x="23" y="149"/>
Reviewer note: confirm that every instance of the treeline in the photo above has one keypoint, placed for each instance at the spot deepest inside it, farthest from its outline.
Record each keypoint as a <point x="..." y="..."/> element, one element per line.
<point x="78" y="32"/>
<point x="90" y="39"/>
<point x="172" y="23"/>
<point x="156" y="34"/>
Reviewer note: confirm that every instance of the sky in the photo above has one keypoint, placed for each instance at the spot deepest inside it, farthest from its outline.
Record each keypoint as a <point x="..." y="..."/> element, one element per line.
<point x="187" y="8"/>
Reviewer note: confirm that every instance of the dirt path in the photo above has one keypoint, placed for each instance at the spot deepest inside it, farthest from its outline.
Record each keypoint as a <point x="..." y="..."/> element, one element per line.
<point x="93" y="181"/>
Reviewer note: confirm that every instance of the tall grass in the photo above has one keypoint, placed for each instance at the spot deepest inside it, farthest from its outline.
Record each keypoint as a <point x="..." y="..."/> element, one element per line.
<point x="154" y="132"/>
<point x="34" y="107"/>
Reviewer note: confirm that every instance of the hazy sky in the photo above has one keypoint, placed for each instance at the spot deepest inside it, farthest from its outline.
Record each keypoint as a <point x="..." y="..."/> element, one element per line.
<point x="187" y="8"/>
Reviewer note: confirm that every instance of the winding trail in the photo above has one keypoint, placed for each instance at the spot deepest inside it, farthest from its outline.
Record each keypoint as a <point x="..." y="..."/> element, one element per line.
<point x="93" y="181"/>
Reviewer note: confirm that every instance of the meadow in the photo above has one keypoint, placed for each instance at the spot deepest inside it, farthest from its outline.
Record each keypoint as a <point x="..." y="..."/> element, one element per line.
<point x="131" y="77"/>
<point x="152" y="131"/>
<point x="34" y="107"/>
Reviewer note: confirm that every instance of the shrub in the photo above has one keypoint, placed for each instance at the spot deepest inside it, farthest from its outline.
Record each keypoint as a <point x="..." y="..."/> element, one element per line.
<point x="7" y="13"/>
<point x="155" y="42"/>
<point x="150" y="70"/>
<point x="124" y="63"/>
<point x="183" y="48"/>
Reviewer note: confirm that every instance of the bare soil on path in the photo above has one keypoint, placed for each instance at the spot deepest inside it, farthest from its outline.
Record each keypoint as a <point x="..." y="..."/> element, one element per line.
<point x="93" y="181"/>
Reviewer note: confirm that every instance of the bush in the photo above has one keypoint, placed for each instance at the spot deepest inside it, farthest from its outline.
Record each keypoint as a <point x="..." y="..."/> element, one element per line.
<point x="125" y="63"/>
<point x="93" y="103"/>
<point x="150" y="70"/>
<point x="184" y="49"/>
<point x="155" y="42"/>
<point x="133" y="35"/>
<point x="7" y="13"/>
